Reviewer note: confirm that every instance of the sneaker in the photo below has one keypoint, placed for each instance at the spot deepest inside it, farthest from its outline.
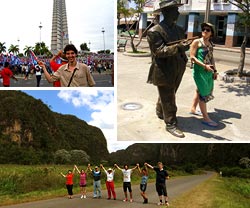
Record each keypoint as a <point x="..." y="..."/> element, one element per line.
<point x="81" y="196"/>
<point x="159" y="203"/>
<point x="125" y="200"/>
<point x="84" y="197"/>
<point x="167" y="204"/>
<point x="145" y="201"/>
<point x="174" y="130"/>
<point x="131" y="200"/>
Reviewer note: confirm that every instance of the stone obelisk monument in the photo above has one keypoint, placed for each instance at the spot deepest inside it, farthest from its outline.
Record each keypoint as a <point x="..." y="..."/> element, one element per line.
<point x="59" y="34"/>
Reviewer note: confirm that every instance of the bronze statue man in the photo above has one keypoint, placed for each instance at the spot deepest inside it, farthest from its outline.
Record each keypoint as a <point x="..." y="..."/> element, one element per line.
<point x="168" y="63"/>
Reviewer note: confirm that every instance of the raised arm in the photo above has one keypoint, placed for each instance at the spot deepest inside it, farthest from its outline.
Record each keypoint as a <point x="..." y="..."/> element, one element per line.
<point x="56" y="56"/>
<point x="77" y="169"/>
<point x="89" y="168"/>
<point x="138" y="166"/>
<point x="148" y="165"/>
<point x="117" y="167"/>
<point x="102" y="167"/>
<point x="63" y="175"/>
<point x="135" y="167"/>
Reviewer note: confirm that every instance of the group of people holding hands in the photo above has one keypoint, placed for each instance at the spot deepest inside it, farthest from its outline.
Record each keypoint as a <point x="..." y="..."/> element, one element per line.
<point x="161" y="176"/>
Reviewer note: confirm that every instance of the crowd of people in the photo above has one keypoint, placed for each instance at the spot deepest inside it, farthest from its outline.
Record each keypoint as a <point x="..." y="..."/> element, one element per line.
<point x="27" y="66"/>
<point x="161" y="177"/>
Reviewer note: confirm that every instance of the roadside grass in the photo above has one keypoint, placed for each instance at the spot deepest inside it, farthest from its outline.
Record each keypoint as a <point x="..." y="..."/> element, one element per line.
<point x="21" y="183"/>
<point x="217" y="192"/>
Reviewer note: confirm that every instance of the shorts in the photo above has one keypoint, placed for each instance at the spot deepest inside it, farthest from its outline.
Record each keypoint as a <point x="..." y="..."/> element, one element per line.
<point x="83" y="185"/>
<point x="127" y="185"/>
<point x="161" y="189"/>
<point x="143" y="187"/>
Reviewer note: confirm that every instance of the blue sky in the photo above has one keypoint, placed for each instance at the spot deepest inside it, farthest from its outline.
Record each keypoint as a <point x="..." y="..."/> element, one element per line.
<point x="50" y="97"/>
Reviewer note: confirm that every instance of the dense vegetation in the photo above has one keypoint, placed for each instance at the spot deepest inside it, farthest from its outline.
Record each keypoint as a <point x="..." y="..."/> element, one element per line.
<point x="30" y="133"/>
<point x="185" y="156"/>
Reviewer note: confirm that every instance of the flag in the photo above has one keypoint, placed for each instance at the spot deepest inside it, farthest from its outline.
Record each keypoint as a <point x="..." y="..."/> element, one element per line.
<point x="34" y="59"/>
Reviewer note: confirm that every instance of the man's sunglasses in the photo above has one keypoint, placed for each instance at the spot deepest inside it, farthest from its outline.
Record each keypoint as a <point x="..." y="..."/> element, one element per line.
<point x="206" y="29"/>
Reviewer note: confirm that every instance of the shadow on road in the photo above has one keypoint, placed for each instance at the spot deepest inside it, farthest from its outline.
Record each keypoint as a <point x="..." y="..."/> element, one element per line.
<point x="239" y="89"/>
<point x="193" y="125"/>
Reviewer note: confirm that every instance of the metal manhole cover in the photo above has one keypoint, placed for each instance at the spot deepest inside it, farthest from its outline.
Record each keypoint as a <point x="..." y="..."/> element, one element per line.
<point x="131" y="106"/>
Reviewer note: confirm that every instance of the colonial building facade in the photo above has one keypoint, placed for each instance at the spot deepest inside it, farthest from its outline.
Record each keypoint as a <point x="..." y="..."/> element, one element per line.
<point x="224" y="16"/>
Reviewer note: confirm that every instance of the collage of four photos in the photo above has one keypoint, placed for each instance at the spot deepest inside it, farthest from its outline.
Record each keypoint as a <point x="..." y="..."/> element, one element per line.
<point x="120" y="103"/>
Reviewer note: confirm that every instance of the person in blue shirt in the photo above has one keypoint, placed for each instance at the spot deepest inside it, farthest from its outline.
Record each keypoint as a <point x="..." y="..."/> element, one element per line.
<point x="96" y="182"/>
<point x="144" y="181"/>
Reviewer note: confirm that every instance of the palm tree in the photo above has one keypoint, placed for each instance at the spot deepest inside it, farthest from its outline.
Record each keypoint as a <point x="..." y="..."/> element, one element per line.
<point x="2" y="47"/>
<point x="41" y="49"/>
<point x="14" y="49"/>
<point x="27" y="49"/>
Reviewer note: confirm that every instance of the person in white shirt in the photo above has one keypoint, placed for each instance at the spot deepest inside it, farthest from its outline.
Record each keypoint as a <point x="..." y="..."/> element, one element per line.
<point x="127" y="181"/>
<point x="110" y="182"/>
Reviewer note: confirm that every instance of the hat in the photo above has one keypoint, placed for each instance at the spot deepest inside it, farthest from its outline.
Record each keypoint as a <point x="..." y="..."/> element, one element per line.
<point x="168" y="3"/>
<point x="96" y="167"/>
<point x="208" y="25"/>
<point x="110" y="169"/>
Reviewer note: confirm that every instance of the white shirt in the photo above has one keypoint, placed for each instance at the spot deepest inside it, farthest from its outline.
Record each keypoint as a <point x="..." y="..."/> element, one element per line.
<point x="127" y="175"/>
<point x="110" y="176"/>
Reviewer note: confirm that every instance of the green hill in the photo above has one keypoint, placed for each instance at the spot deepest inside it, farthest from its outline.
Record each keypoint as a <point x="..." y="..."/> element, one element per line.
<point x="179" y="155"/>
<point x="30" y="132"/>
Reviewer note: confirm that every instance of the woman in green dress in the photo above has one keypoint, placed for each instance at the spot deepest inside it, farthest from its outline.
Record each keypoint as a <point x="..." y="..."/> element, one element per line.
<point x="204" y="71"/>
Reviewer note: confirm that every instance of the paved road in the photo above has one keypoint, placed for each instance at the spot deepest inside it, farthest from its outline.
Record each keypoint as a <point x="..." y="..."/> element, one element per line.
<point x="176" y="187"/>
<point x="102" y="80"/>
<point x="229" y="108"/>
<point x="230" y="58"/>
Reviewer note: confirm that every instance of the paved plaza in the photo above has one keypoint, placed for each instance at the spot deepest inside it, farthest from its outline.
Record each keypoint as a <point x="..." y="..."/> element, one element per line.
<point x="102" y="80"/>
<point x="230" y="106"/>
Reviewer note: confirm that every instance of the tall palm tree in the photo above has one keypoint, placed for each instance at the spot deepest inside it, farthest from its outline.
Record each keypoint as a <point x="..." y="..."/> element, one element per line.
<point x="27" y="49"/>
<point x="2" y="47"/>
<point x="14" y="49"/>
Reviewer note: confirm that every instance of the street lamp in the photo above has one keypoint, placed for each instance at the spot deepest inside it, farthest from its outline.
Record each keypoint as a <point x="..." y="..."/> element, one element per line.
<point x="40" y="27"/>
<point x="89" y="45"/>
<point x="103" y="31"/>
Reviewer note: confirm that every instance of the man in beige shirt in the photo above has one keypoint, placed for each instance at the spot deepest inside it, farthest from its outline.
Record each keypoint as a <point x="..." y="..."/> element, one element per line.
<point x="73" y="74"/>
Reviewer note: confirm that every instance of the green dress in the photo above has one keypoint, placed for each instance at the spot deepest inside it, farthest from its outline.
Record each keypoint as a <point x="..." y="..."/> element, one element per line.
<point x="204" y="79"/>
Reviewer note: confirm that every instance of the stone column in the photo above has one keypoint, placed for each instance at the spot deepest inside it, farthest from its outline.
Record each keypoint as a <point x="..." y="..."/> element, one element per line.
<point x="193" y="24"/>
<point x="231" y="36"/>
<point x="143" y="24"/>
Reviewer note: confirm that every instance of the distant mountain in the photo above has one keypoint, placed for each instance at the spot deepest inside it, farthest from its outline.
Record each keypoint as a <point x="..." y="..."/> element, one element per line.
<point x="211" y="155"/>
<point x="30" y="132"/>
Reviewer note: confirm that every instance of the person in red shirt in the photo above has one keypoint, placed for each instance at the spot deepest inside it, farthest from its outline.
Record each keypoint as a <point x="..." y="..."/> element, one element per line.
<point x="6" y="74"/>
<point x="55" y="66"/>
<point x="69" y="182"/>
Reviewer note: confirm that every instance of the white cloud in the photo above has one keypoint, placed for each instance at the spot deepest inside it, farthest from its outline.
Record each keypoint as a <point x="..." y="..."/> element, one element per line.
<point x="100" y="103"/>
<point x="113" y="145"/>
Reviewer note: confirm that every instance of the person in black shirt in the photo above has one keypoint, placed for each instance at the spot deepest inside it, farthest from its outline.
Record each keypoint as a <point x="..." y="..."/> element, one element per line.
<point x="161" y="176"/>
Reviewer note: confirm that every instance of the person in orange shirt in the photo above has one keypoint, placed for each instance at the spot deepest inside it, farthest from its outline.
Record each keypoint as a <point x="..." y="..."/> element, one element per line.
<point x="55" y="66"/>
<point x="69" y="182"/>
<point x="6" y="74"/>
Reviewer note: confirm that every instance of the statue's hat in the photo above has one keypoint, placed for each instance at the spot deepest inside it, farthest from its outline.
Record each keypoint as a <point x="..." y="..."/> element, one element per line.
<point x="167" y="4"/>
